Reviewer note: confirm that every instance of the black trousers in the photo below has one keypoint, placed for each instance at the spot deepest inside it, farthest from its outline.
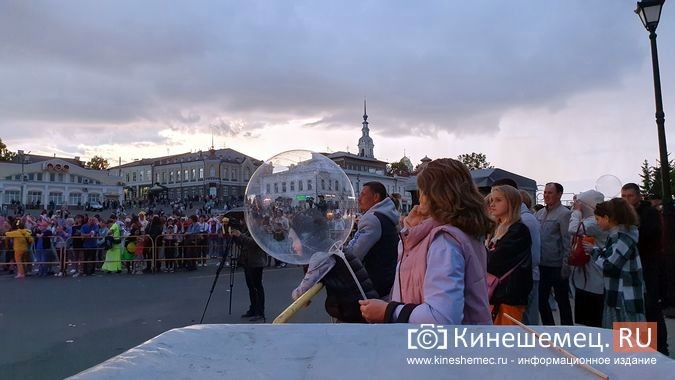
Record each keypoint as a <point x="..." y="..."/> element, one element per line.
<point x="89" y="255"/>
<point x="256" y="292"/>
<point x="655" y="291"/>
<point x="549" y="277"/>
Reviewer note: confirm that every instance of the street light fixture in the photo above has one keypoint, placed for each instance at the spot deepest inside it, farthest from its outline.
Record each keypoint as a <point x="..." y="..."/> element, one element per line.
<point x="650" y="14"/>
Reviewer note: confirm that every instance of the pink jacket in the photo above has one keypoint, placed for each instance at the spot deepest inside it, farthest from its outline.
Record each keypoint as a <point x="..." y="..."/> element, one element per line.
<point x="442" y="270"/>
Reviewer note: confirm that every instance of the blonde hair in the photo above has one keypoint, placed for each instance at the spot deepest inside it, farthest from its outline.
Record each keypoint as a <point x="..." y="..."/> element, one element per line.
<point x="526" y="198"/>
<point x="513" y="200"/>
<point x="453" y="197"/>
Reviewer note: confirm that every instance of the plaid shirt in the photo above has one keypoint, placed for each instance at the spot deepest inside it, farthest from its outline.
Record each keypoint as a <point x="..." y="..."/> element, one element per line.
<point x="621" y="267"/>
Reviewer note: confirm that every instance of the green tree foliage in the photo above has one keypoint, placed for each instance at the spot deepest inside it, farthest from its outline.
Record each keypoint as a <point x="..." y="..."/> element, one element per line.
<point x="475" y="161"/>
<point x="651" y="178"/>
<point x="646" y="176"/>
<point x="5" y="154"/>
<point x="399" y="169"/>
<point x="98" y="163"/>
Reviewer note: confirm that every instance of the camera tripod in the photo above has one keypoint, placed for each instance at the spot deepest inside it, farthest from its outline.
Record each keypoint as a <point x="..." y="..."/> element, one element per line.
<point x="234" y="258"/>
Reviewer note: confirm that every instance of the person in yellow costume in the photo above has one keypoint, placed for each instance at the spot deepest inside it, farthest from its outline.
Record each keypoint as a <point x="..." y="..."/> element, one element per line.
<point x="22" y="240"/>
<point x="113" y="257"/>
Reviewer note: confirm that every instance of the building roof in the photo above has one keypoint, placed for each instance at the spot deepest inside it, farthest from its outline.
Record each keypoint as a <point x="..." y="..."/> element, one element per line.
<point x="226" y="154"/>
<point x="486" y="177"/>
<point x="342" y="154"/>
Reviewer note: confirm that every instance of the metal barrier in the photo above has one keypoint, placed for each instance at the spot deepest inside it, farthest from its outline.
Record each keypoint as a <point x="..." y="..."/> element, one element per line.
<point x="172" y="251"/>
<point x="34" y="256"/>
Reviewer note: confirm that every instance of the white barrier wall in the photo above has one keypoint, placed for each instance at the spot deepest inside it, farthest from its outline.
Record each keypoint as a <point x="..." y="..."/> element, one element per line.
<point x="352" y="351"/>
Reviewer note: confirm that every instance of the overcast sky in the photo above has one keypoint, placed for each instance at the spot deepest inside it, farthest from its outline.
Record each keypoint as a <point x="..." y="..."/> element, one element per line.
<point x="556" y="90"/>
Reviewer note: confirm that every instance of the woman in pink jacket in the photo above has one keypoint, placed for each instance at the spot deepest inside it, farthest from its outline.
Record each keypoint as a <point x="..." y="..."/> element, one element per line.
<point x="440" y="276"/>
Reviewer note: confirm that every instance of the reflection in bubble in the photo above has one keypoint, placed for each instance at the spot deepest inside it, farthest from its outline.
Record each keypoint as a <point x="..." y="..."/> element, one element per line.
<point x="298" y="203"/>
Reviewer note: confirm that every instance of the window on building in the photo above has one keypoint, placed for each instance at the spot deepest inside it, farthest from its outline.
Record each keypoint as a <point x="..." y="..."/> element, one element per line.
<point x="337" y="186"/>
<point x="194" y="175"/>
<point x="212" y="172"/>
<point x="267" y="187"/>
<point x="93" y="197"/>
<point x="56" y="198"/>
<point x="234" y="174"/>
<point x="12" y="196"/>
<point x="148" y="175"/>
<point x="299" y="185"/>
<point x="323" y="184"/>
<point x="223" y="172"/>
<point x="276" y="188"/>
<point x="283" y="187"/>
<point x="309" y="184"/>
<point x="39" y="176"/>
<point x="31" y="177"/>
<point x="163" y="177"/>
<point x="52" y="177"/>
<point x="60" y="177"/>
<point x="171" y="176"/>
<point x="79" y="178"/>
<point x="140" y="176"/>
<point x="201" y="174"/>
<point x="178" y="175"/>
<point x="185" y="175"/>
<point x="133" y="176"/>
<point x="34" y="197"/>
<point x="75" y="199"/>
<point x="292" y="185"/>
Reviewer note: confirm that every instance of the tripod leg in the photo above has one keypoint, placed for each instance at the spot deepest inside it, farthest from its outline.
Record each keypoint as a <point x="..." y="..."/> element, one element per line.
<point x="213" y="286"/>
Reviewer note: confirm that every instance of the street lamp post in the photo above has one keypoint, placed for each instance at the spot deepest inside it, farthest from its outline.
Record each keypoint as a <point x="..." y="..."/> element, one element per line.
<point x="22" y="157"/>
<point x="650" y="13"/>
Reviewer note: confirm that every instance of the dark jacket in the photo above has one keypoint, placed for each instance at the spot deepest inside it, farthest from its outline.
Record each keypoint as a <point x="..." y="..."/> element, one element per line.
<point x="342" y="293"/>
<point x="506" y="253"/>
<point x="251" y="256"/>
<point x="649" y="227"/>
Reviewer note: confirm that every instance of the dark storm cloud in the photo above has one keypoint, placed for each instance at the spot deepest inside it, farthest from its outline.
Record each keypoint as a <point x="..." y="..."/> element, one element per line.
<point x="194" y="66"/>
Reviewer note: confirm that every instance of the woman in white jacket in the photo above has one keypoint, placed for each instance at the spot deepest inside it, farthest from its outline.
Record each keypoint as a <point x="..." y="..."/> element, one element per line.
<point x="588" y="279"/>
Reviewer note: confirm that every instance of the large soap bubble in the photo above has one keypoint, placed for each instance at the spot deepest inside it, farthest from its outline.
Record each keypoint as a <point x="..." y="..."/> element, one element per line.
<point x="609" y="185"/>
<point x="298" y="203"/>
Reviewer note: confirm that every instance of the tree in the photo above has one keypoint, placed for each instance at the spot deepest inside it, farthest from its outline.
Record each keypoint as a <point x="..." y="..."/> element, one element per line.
<point x="651" y="178"/>
<point x="5" y="154"/>
<point x="98" y="163"/>
<point x="398" y="168"/>
<point x="647" y="177"/>
<point x="475" y="161"/>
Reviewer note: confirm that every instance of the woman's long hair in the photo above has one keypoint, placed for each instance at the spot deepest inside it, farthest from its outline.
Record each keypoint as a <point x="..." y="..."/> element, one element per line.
<point x="453" y="197"/>
<point x="513" y="200"/>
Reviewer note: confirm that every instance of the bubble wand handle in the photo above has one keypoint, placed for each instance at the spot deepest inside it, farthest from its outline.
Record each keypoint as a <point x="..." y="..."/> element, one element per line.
<point x="301" y="302"/>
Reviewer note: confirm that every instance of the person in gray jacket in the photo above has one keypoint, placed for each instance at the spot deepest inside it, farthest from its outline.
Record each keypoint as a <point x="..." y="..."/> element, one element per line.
<point x="375" y="242"/>
<point x="555" y="249"/>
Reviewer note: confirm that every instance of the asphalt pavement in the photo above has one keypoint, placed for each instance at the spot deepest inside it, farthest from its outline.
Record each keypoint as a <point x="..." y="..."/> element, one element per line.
<point x="51" y="328"/>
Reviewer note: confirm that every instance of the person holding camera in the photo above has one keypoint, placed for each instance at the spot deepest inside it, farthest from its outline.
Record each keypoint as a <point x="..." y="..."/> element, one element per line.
<point x="253" y="259"/>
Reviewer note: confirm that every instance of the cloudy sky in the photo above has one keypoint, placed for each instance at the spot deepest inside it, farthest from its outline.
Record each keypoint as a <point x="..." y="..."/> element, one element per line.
<point x="556" y="90"/>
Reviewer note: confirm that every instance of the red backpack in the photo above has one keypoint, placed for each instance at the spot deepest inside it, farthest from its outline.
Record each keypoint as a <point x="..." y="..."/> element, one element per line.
<point x="578" y="256"/>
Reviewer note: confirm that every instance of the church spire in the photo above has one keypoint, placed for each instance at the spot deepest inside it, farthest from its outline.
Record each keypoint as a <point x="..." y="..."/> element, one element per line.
<point x="365" y="114"/>
<point x="365" y="142"/>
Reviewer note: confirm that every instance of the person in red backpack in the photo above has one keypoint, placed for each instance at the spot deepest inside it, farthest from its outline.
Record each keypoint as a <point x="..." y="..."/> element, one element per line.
<point x="587" y="279"/>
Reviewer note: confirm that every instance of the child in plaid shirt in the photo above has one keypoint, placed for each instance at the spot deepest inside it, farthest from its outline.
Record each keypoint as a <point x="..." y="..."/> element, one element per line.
<point x="620" y="263"/>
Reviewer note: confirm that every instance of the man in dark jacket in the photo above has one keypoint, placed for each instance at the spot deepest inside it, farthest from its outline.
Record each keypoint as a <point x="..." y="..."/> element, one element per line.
<point x="376" y="240"/>
<point x="253" y="259"/>
<point x="652" y="259"/>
